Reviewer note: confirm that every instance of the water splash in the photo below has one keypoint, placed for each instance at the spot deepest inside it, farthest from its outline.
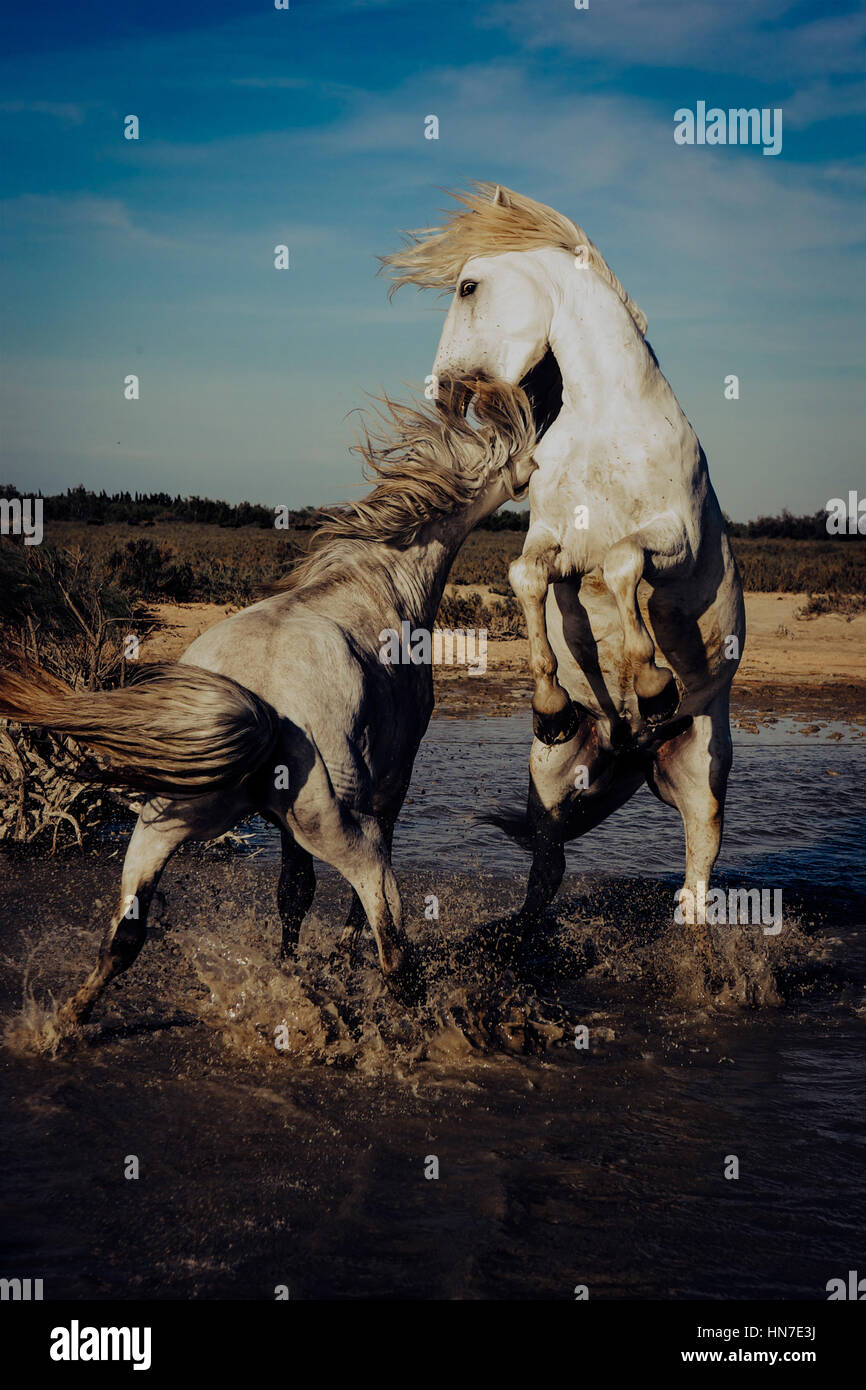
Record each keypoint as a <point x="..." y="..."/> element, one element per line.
<point x="322" y="1008"/>
<point x="35" y="1029"/>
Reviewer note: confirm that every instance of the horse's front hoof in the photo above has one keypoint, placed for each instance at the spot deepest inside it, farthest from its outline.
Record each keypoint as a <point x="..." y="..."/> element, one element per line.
<point x="650" y="737"/>
<point x="660" y="706"/>
<point x="558" y="727"/>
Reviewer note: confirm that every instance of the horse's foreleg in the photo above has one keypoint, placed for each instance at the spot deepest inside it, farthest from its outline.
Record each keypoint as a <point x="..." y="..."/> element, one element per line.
<point x="295" y="891"/>
<point x="658" y="547"/>
<point x="152" y="844"/>
<point x="554" y="717"/>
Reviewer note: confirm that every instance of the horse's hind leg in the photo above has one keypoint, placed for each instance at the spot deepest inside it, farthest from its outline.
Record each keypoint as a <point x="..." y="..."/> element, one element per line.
<point x="554" y="716"/>
<point x="691" y="773"/>
<point x="295" y="891"/>
<point x="356" y="917"/>
<point x="546" y="873"/>
<point x="349" y="943"/>
<point x="154" y="840"/>
<point x="572" y="789"/>
<point x="366" y="864"/>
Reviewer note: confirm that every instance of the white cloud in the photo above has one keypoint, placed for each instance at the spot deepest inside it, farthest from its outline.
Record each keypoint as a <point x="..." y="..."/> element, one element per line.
<point x="46" y="215"/>
<point x="70" y="112"/>
<point x="702" y="34"/>
<point x="49" y="211"/>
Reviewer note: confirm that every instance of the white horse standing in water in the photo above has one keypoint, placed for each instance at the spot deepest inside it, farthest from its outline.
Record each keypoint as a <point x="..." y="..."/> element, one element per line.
<point x="286" y="708"/>
<point x="621" y="495"/>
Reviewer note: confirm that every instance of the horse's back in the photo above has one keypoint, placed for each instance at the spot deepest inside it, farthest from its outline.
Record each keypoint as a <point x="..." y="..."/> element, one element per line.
<point x="284" y="653"/>
<point x="333" y="693"/>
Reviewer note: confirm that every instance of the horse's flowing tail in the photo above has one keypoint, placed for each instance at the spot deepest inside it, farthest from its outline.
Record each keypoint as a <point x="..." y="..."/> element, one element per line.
<point x="515" y="824"/>
<point x="174" y="731"/>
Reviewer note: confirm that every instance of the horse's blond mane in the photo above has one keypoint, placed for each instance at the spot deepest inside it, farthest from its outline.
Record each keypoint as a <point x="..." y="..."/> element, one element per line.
<point x="428" y="463"/>
<point x="489" y="222"/>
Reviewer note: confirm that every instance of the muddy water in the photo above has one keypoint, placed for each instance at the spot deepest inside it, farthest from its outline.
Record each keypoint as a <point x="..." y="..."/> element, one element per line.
<point x="557" y="1165"/>
<point x="796" y="808"/>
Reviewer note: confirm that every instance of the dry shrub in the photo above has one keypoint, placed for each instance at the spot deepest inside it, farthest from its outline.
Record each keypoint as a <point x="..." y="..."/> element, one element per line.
<point x="55" y="612"/>
<point x="845" y="605"/>
<point x="500" y="619"/>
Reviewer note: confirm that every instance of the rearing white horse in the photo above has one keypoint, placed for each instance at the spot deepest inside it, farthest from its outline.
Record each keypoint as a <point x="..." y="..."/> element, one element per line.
<point x="621" y="495"/>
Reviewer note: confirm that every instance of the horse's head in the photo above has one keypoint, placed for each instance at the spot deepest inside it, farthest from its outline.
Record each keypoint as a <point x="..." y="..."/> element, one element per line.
<point x="498" y="325"/>
<point x="513" y="263"/>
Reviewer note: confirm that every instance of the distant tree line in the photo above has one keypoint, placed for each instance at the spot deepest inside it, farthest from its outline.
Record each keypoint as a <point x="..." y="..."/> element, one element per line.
<point x="146" y="508"/>
<point x="785" y="527"/>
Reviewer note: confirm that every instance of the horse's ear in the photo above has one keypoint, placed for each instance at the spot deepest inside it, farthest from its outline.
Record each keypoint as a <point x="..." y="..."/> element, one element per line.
<point x="501" y="199"/>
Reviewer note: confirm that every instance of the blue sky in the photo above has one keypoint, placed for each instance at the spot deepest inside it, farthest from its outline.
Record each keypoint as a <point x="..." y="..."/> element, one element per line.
<point x="306" y="127"/>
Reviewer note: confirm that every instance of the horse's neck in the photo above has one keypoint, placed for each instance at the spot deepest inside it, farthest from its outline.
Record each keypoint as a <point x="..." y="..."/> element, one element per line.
<point x="419" y="572"/>
<point x="603" y="359"/>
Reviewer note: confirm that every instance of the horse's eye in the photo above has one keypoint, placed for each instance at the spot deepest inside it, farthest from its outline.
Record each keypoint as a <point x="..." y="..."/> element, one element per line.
<point x="468" y="287"/>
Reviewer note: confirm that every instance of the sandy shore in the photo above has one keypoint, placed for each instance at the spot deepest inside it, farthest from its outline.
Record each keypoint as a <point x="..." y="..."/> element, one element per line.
<point x="791" y="664"/>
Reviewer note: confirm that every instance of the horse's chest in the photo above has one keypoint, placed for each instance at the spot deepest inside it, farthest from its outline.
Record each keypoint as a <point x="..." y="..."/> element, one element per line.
<point x="590" y="504"/>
